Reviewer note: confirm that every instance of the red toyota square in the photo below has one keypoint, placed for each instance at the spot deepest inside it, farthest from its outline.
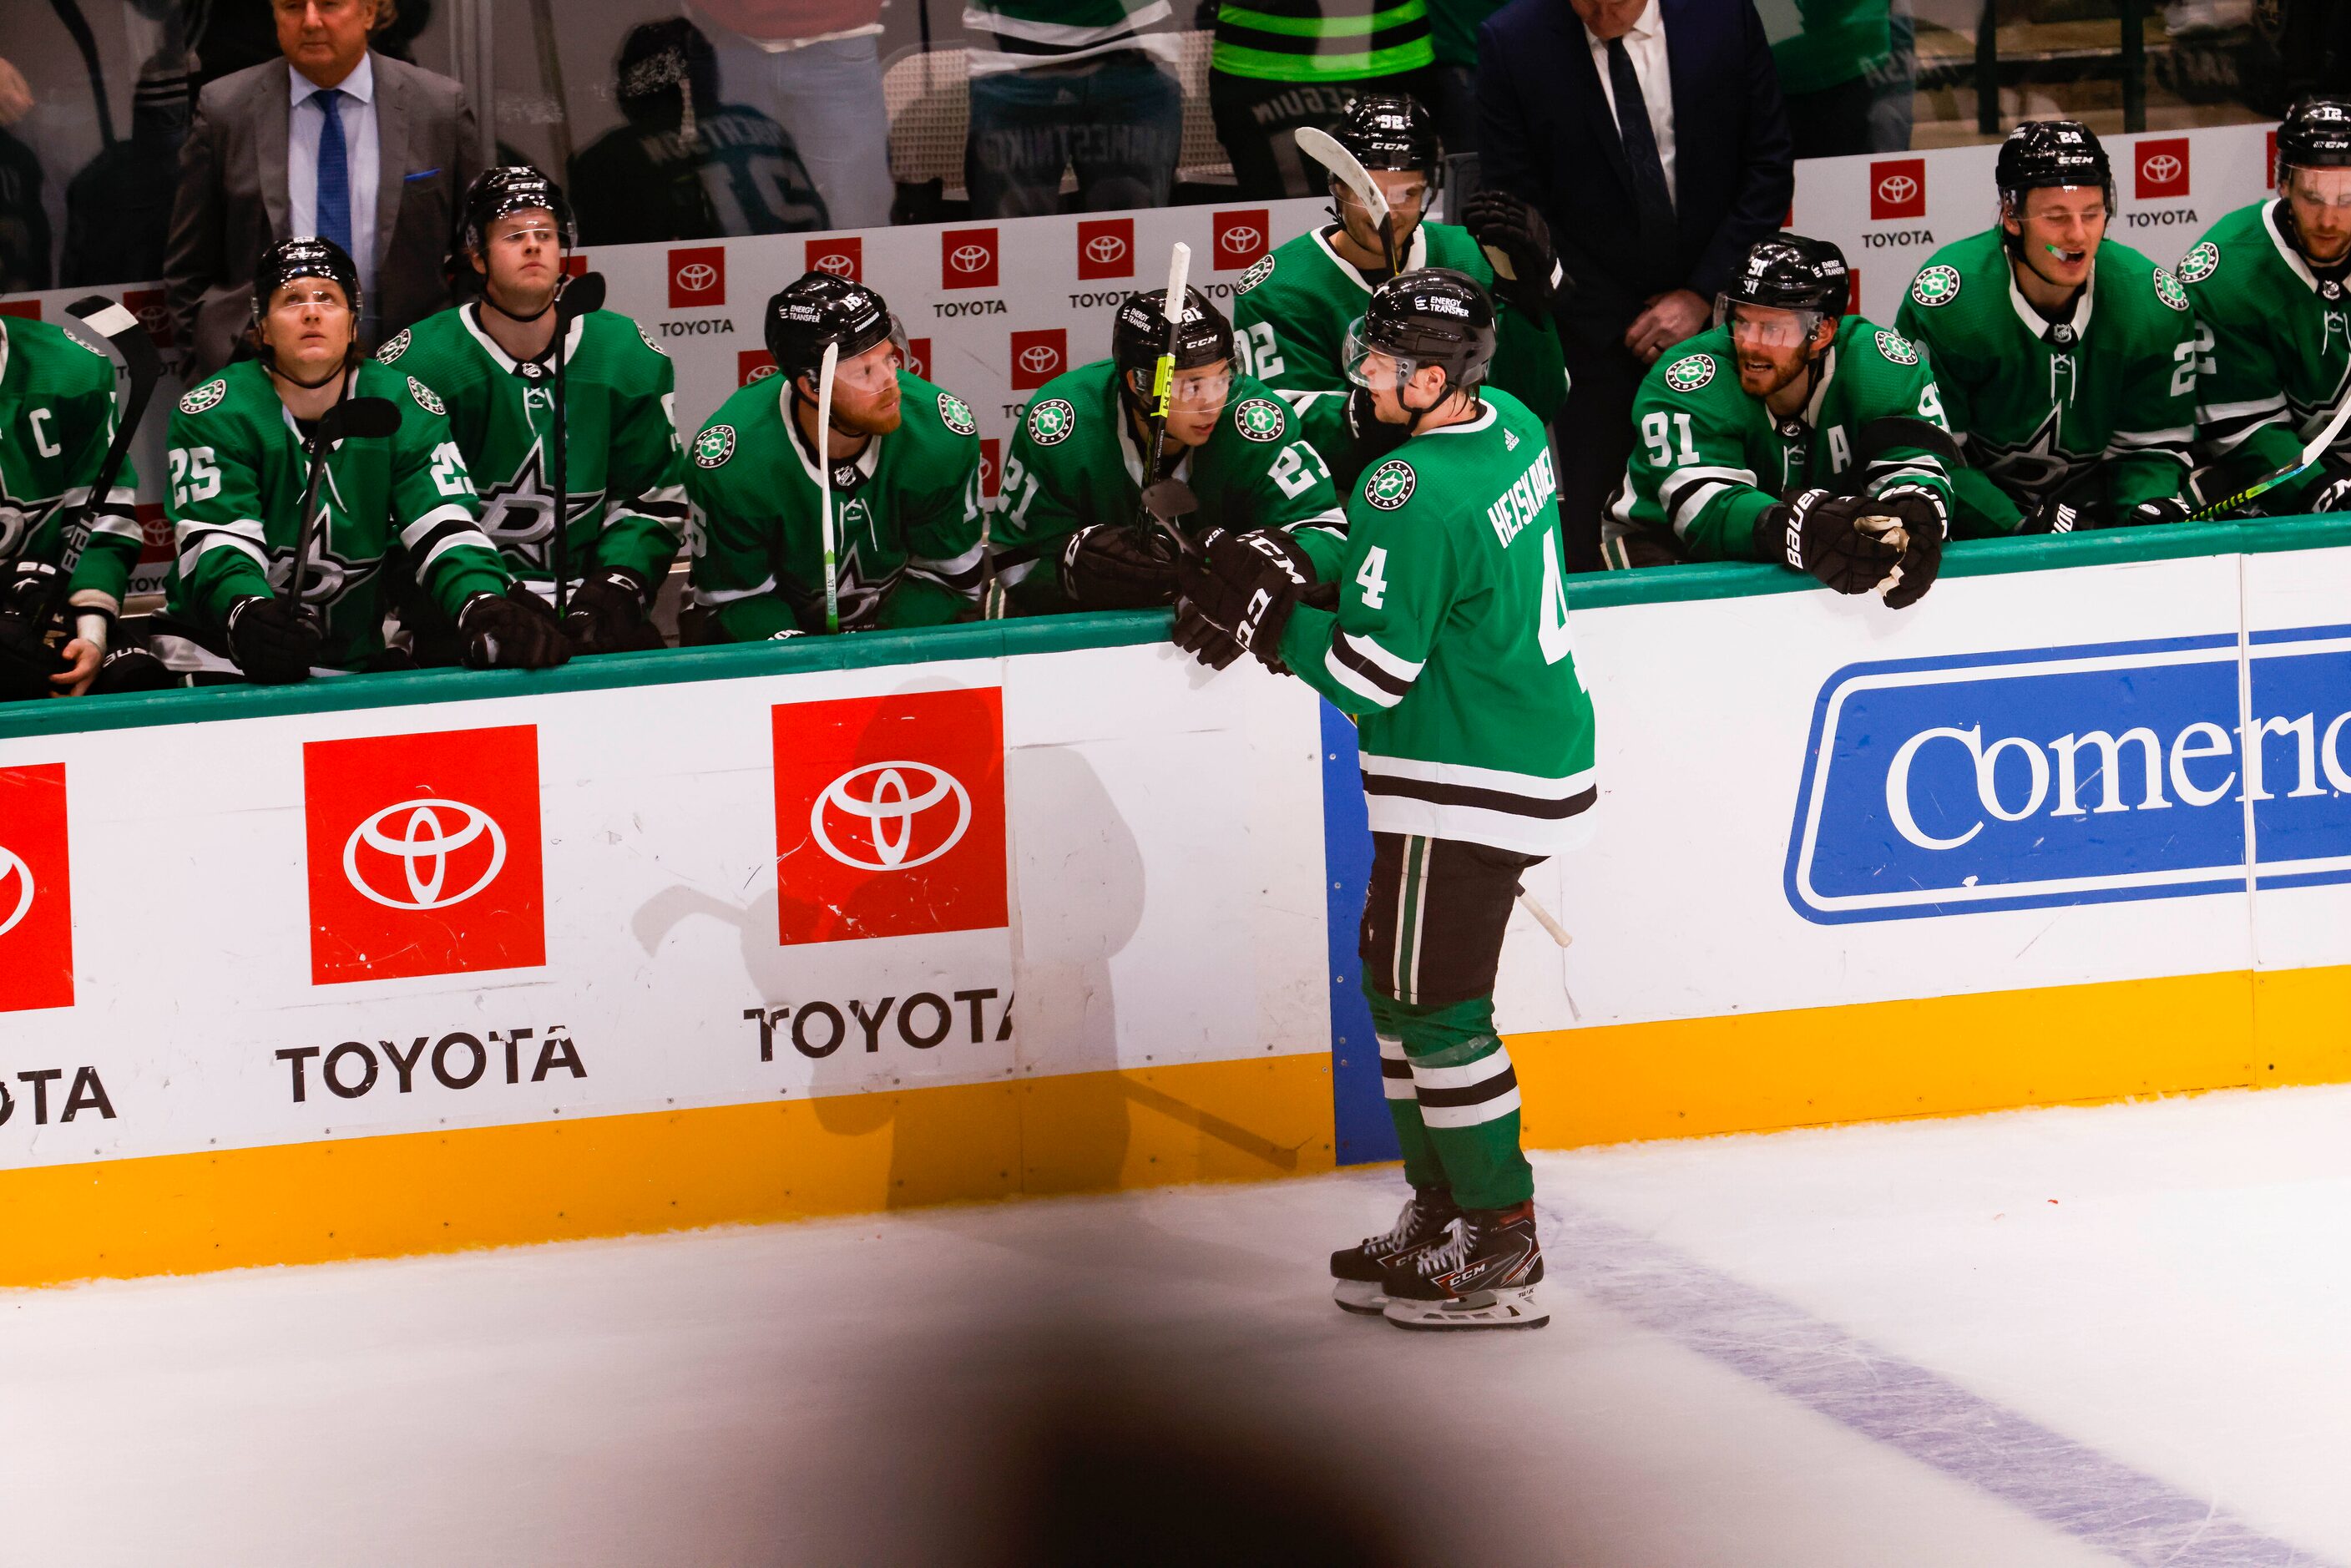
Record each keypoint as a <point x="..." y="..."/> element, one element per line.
<point x="2162" y="168"/>
<point x="697" y="277"/>
<point x="575" y="264"/>
<point x="424" y="854"/>
<point x="1038" y="357"/>
<point x="843" y="256"/>
<point x="155" y="536"/>
<point x="918" y="356"/>
<point x="1897" y="189"/>
<point x="30" y="309"/>
<point x="1106" y="248"/>
<point x="889" y="815"/>
<point x="2268" y="158"/>
<point x="968" y="258"/>
<point x="1241" y="237"/>
<point x="147" y="304"/>
<point x="753" y="365"/>
<point x="991" y="464"/>
<point x="1853" y="291"/>
<point x="35" y="890"/>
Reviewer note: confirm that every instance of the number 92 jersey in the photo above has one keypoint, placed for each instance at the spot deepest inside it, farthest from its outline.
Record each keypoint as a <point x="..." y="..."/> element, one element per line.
<point x="398" y="510"/>
<point x="1451" y="643"/>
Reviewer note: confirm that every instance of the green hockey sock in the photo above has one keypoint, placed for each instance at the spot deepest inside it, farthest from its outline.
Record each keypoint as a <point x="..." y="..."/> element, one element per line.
<point x="1466" y="1097"/>
<point x="1420" y="1165"/>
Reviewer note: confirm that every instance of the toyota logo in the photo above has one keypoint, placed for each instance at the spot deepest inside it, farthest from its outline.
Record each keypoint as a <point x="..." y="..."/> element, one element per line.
<point x="968" y="258"/>
<point x="1103" y="250"/>
<point x="696" y="276"/>
<point x="13" y="868"/>
<point x="882" y="795"/>
<point x="422" y="844"/>
<point x="761" y="374"/>
<point x="1244" y="238"/>
<point x="1036" y="358"/>
<point x="836" y="262"/>
<point x="2162" y="168"/>
<point x="155" y="319"/>
<point x="1898" y="188"/>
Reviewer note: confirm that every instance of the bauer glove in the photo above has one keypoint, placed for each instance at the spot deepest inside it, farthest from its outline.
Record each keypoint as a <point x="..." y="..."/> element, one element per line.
<point x="513" y="631"/>
<point x="273" y="643"/>
<point x="1820" y="532"/>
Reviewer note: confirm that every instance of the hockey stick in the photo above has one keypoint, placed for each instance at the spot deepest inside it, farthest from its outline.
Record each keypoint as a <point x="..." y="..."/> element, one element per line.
<point x="127" y="338"/>
<point x="1324" y="149"/>
<point x="1162" y="374"/>
<point x="2312" y="451"/>
<point x="824" y="480"/>
<point x="360" y="417"/>
<point x="574" y="298"/>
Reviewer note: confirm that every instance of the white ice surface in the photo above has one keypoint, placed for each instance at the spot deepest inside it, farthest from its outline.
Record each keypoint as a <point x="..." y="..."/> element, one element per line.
<point x="867" y="1390"/>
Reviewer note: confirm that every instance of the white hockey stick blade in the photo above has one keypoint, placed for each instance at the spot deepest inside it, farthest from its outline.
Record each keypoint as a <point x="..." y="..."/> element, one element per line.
<point x="1179" y="279"/>
<point x="1324" y="149"/>
<point x="824" y="481"/>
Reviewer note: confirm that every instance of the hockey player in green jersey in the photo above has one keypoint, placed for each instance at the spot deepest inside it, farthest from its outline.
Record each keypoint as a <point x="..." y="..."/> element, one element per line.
<point x="2066" y="359"/>
<point x="2272" y="283"/>
<point x="394" y="509"/>
<point x="1074" y="479"/>
<point x="903" y="456"/>
<point x="1789" y="434"/>
<point x="1451" y="646"/>
<point x="491" y="364"/>
<point x="1292" y="310"/>
<point x="56" y="416"/>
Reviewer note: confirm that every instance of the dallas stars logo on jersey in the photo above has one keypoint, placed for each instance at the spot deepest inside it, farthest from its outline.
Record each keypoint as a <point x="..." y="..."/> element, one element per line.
<point x="1936" y="286"/>
<point x="1258" y="420"/>
<point x="1050" y="421"/>
<point x="714" y="446"/>
<point x="956" y="414"/>
<point x="1391" y="485"/>
<point x="1690" y="373"/>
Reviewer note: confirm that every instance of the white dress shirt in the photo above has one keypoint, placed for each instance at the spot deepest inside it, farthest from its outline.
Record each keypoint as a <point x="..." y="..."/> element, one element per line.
<point x="1645" y="45"/>
<point x="306" y="118"/>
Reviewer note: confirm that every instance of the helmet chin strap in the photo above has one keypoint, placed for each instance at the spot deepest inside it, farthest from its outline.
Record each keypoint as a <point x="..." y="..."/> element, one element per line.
<point x="490" y="299"/>
<point x="269" y="360"/>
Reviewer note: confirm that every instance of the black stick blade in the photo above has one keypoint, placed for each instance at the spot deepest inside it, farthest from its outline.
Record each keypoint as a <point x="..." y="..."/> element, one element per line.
<point x="359" y="418"/>
<point x="123" y="332"/>
<point x="580" y="296"/>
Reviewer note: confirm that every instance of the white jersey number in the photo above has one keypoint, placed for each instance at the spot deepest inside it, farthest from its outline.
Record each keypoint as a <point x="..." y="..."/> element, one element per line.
<point x="1552" y="636"/>
<point x="194" y="475"/>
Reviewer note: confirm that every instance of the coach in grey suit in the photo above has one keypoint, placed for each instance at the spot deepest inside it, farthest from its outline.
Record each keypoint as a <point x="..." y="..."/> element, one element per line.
<point x="263" y="162"/>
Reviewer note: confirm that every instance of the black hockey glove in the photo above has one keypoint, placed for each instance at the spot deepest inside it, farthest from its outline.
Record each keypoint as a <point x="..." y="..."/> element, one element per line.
<point x="2333" y="491"/>
<point x="2151" y="514"/>
<point x="2055" y="517"/>
<point x="607" y="614"/>
<point x="1921" y="522"/>
<point x="26" y="660"/>
<point x="1820" y="532"/>
<point x="1518" y="243"/>
<point x="513" y="631"/>
<point x="1245" y="585"/>
<point x="27" y="589"/>
<point x="1118" y="566"/>
<point x="273" y="643"/>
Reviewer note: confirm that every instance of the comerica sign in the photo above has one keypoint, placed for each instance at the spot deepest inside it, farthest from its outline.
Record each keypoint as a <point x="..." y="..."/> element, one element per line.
<point x="2073" y="775"/>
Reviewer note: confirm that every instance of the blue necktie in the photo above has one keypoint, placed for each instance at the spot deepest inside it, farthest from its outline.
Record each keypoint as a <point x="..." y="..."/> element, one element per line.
<point x="334" y="171"/>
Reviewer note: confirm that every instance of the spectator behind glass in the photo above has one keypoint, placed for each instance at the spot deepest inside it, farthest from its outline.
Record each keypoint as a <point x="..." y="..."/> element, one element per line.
<point x="1829" y="74"/>
<point x="1650" y="135"/>
<point x="23" y="227"/>
<point x="1057" y="84"/>
<point x="1282" y="64"/>
<point x="119" y="208"/>
<point x="1454" y="24"/>
<point x="333" y="139"/>
<point x="815" y="67"/>
<point x="686" y="166"/>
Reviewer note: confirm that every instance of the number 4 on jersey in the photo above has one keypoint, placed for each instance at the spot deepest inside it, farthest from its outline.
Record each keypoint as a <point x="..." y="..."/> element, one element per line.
<point x="1371" y="577"/>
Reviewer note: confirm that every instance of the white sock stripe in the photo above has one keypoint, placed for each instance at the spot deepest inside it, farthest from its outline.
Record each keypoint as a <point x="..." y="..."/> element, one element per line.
<point x="1464" y="1076"/>
<point x="1419" y="923"/>
<point x="1392" y="1048"/>
<point x="1398" y="1089"/>
<point x="1456" y="1116"/>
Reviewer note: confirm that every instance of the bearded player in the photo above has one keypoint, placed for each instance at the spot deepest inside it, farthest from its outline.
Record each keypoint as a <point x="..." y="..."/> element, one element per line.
<point x="900" y="456"/>
<point x="1790" y="431"/>
<point x="2272" y="283"/>
<point x="1072" y="481"/>
<point x="2066" y="359"/>
<point x="492" y="363"/>
<point x="395" y="510"/>
<point x="1451" y="648"/>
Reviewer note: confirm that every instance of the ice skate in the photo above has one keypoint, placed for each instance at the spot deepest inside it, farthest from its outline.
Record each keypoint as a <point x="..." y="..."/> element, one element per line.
<point x="1483" y="1276"/>
<point x="1429" y="1216"/>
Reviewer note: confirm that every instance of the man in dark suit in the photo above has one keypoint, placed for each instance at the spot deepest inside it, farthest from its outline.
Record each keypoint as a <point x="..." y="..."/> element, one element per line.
<point x="1650" y="135"/>
<point x="334" y="139"/>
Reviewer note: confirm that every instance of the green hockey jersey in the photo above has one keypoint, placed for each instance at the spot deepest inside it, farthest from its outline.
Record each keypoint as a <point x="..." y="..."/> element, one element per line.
<point x="622" y="462"/>
<point x="398" y="511"/>
<point x="1708" y="459"/>
<point x="1292" y="310"/>
<point x="56" y="416"/>
<point x="2279" y="355"/>
<point x="1451" y="641"/>
<point x="1320" y="40"/>
<point x="906" y="517"/>
<point x="1075" y="461"/>
<point x="2101" y="405"/>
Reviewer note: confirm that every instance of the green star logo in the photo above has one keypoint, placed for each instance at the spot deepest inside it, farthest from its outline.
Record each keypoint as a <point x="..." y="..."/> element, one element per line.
<point x="1936" y="286"/>
<point x="1259" y="270"/>
<point x="714" y="446"/>
<point x="205" y="397"/>
<point x="424" y="398"/>
<point x="956" y="414"/>
<point x="1391" y="485"/>
<point x="2201" y="263"/>
<point x="2167" y="289"/>
<point x="1897" y="348"/>
<point x="1690" y="372"/>
<point x="394" y="349"/>
<point x="1050" y="422"/>
<point x="1258" y="419"/>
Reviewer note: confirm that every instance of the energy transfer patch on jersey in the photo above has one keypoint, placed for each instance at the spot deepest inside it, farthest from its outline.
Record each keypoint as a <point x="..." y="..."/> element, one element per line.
<point x="424" y="397"/>
<point x="205" y="396"/>
<point x="1690" y="372"/>
<point x="1897" y="348"/>
<point x="714" y="446"/>
<point x="1050" y="422"/>
<point x="1259" y="270"/>
<point x="1259" y="418"/>
<point x="1391" y="485"/>
<point x="2167" y="289"/>
<point x="394" y="348"/>
<point x="2201" y="263"/>
<point x="1937" y="285"/>
<point x="956" y="414"/>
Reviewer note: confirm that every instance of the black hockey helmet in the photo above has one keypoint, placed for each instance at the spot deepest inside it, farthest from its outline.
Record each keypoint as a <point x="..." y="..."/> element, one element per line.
<point x="1789" y="272"/>
<point x="2041" y="154"/>
<point x="1203" y="337"/>
<point x="305" y="256"/>
<point x="496" y="192"/>
<point x="1434" y="316"/>
<point x="820" y="309"/>
<point x="1389" y="130"/>
<point x="2316" y="134"/>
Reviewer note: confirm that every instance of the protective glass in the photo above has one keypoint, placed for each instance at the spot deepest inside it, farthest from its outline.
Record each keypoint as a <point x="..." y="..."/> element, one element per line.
<point x="1355" y="360"/>
<point x="870" y="371"/>
<point x="538" y="231"/>
<point x="2323" y="190"/>
<point x="1767" y="325"/>
<point x="1200" y="389"/>
<point x="1409" y="196"/>
<point x="296" y="298"/>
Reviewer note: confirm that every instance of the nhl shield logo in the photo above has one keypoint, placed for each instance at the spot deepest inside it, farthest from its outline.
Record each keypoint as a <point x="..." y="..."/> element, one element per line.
<point x="1258" y="420"/>
<point x="1897" y="348"/>
<point x="956" y="414"/>
<point x="205" y="396"/>
<point x="1936" y="286"/>
<point x="1259" y="270"/>
<point x="2201" y="263"/>
<point x="714" y="446"/>
<point x="1690" y="372"/>
<point x="2167" y="289"/>
<point x="394" y="349"/>
<point x="1050" y="422"/>
<point x="424" y="398"/>
<point x="1391" y="485"/>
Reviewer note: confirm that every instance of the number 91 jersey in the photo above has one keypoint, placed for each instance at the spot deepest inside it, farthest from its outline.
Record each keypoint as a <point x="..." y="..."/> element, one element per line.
<point x="1451" y="641"/>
